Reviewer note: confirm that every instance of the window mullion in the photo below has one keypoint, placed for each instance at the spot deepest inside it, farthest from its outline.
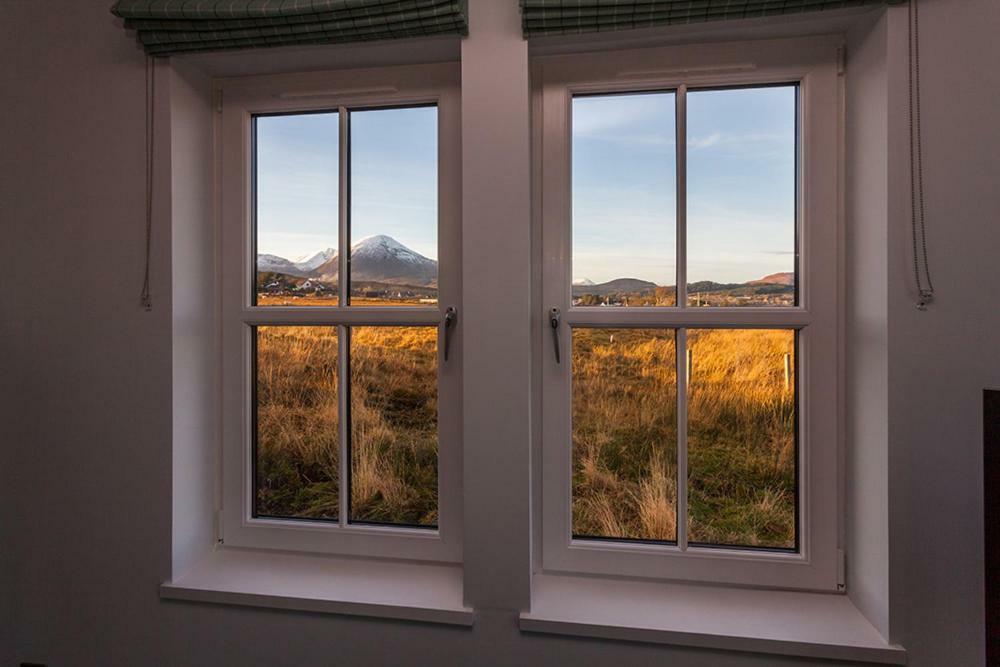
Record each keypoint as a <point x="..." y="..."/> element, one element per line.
<point x="680" y="347"/>
<point x="344" y="227"/>
<point x="343" y="332"/>
<point x="681" y="175"/>
<point x="344" y="420"/>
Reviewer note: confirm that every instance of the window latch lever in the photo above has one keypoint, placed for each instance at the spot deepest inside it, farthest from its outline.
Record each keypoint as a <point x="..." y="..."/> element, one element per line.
<point x="554" y="323"/>
<point x="450" y="317"/>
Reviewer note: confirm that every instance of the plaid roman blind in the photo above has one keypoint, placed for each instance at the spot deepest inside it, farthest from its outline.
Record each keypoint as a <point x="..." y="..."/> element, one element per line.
<point x="183" y="26"/>
<point x="562" y="17"/>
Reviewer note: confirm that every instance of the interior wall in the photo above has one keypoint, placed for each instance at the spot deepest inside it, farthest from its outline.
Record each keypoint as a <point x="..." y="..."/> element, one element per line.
<point x="866" y="321"/>
<point x="496" y="416"/>
<point x="86" y="387"/>
<point x="194" y="288"/>
<point x="87" y="392"/>
<point x="941" y="359"/>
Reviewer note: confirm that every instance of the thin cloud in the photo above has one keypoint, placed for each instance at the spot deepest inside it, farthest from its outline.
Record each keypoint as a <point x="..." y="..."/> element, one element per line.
<point x="721" y="139"/>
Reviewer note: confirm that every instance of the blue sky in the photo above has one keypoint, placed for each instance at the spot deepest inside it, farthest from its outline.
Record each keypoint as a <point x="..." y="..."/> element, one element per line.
<point x="297" y="177"/>
<point x="741" y="166"/>
<point x="741" y="188"/>
<point x="393" y="180"/>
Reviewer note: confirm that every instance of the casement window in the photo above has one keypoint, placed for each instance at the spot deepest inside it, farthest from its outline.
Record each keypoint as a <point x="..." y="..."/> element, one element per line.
<point x="689" y="211"/>
<point x="688" y="204"/>
<point x="340" y="293"/>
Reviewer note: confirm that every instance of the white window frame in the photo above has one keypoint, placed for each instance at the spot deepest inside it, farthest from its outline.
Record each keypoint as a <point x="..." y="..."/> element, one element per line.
<point x="241" y="99"/>
<point x="813" y="65"/>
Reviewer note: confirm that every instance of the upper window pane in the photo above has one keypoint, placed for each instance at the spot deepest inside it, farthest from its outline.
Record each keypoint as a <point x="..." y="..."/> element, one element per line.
<point x="296" y="158"/>
<point x="394" y="207"/>
<point x="624" y="210"/>
<point x="741" y="147"/>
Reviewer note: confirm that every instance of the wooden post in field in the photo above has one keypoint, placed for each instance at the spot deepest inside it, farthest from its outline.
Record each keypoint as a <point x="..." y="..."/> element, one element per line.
<point x="689" y="363"/>
<point x="788" y="371"/>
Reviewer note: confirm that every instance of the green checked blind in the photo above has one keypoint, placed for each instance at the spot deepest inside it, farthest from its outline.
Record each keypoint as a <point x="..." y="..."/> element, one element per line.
<point x="182" y="26"/>
<point x="563" y="17"/>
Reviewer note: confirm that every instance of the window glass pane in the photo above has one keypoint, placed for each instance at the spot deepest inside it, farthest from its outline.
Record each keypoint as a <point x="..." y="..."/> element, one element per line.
<point x="296" y="463"/>
<point x="742" y="437"/>
<point x="624" y="434"/>
<point x="624" y="210"/>
<point x="394" y="212"/>
<point x="296" y="209"/>
<point x="741" y="196"/>
<point x="394" y="425"/>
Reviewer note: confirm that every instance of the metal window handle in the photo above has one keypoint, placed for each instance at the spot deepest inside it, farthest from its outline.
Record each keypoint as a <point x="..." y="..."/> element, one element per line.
<point x="450" y="318"/>
<point x="554" y="323"/>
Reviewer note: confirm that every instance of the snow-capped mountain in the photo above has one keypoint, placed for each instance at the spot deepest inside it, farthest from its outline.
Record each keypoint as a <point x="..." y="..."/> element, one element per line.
<point x="377" y="258"/>
<point x="583" y="281"/>
<point x="381" y="246"/>
<point x="277" y="264"/>
<point x="307" y="263"/>
<point x="383" y="259"/>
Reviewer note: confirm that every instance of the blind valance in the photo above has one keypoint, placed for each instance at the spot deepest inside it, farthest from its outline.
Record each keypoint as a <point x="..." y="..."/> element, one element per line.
<point x="182" y="26"/>
<point x="561" y="17"/>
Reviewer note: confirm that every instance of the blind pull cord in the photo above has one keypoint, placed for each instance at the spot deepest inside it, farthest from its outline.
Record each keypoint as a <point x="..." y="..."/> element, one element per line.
<point x="918" y="227"/>
<point x="146" y="299"/>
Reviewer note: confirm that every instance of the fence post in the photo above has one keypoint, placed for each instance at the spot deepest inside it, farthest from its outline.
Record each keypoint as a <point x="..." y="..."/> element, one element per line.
<point x="788" y="371"/>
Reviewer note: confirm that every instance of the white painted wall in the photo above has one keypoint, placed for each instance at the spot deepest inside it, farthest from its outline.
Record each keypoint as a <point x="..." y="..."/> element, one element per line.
<point x="195" y="336"/>
<point x="940" y="360"/>
<point x="86" y="379"/>
<point x="866" y="321"/>
<point x="496" y="195"/>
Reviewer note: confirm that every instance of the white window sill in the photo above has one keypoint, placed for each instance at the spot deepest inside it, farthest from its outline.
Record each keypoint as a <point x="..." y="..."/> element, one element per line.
<point x="813" y="625"/>
<point x="384" y="589"/>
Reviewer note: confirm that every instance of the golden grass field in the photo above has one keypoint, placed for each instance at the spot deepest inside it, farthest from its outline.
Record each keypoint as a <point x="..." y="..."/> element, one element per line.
<point x="741" y="436"/>
<point x="741" y="431"/>
<point x="393" y="422"/>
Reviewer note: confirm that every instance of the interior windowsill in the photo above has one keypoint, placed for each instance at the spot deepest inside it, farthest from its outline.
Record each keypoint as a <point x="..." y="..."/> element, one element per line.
<point x="814" y="625"/>
<point x="429" y="593"/>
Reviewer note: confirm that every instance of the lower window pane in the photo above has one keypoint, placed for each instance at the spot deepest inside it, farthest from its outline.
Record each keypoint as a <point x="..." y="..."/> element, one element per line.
<point x="624" y="434"/>
<point x="742" y="438"/>
<point x="394" y="425"/>
<point x="296" y="459"/>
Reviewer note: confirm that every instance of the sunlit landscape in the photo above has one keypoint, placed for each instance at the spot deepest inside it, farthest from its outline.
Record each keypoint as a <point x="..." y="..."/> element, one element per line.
<point x="393" y="423"/>
<point x="741" y="436"/>
<point x="741" y="430"/>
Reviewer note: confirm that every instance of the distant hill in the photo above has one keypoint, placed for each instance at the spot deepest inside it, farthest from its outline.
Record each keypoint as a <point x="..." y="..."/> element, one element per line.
<point x="384" y="259"/>
<point x="710" y="286"/>
<point x="376" y="259"/>
<point x="616" y="286"/>
<point x="775" y="281"/>
<point x="275" y="264"/>
<point x="777" y="289"/>
<point x="785" y="278"/>
<point x="311" y="263"/>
